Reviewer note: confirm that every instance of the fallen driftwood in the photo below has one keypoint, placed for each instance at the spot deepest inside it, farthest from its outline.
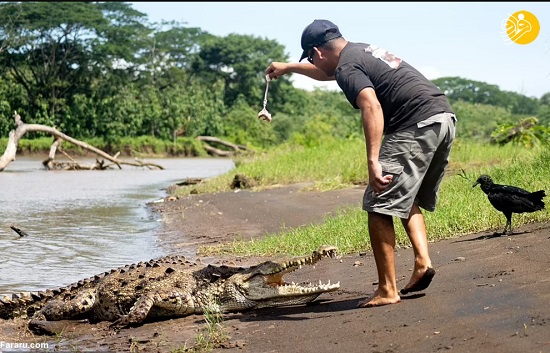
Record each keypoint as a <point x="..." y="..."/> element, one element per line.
<point x="190" y="181"/>
<point x="218" y="152"/>
<point x="51" y="163"/>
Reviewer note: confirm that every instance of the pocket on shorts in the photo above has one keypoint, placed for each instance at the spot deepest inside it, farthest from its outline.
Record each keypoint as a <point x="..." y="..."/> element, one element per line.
<point x="426" y="140"/>
<point x="390" y="168"/>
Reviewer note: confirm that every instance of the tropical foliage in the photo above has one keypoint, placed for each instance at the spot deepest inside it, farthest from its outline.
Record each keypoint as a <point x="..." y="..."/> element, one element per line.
<point x="102" y="70"/>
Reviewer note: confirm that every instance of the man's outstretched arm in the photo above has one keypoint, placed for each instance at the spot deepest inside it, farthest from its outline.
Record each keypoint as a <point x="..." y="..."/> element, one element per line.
<point x="277" y="69"/>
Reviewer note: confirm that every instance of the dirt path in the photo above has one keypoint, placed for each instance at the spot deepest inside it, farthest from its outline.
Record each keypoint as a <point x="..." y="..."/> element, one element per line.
<point x="489" y="294"/>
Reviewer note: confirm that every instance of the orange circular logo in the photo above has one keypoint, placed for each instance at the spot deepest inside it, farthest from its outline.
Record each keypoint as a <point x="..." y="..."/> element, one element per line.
<point x="522" y="27"/>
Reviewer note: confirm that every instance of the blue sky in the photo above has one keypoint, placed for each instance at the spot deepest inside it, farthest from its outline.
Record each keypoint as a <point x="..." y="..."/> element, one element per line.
<point x="463" y="39"/>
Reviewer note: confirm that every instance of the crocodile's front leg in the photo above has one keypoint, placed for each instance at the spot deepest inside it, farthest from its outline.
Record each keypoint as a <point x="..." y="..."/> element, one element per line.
<point x="158" y="303"/>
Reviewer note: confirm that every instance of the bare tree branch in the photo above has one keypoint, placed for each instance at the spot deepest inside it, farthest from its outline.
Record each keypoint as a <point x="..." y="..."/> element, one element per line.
<point x="218" y="152"/>
<point x="22" y="129"/>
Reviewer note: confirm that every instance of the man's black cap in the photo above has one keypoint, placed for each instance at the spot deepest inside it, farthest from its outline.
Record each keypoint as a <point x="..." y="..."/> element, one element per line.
<point x="317" y="33"/>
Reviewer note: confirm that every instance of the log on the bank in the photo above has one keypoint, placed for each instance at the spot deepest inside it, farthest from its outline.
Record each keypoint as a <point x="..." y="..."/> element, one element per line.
<point x="208" y="140"/>
<point x="190" y="181"/>
<point x="50" y="163"/>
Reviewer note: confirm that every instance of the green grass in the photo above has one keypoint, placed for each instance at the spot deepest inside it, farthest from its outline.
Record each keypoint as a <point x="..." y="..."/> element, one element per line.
<point x="461" y="209"/>
<point x="340" y="164"/>
<point x="472" y="155"/>
<point x="211" y="335"/>
<point x="334" y="165"/>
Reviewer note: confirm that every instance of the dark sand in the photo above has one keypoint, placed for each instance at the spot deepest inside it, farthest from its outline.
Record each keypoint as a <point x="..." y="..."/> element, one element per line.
<point x="489" y="294"/>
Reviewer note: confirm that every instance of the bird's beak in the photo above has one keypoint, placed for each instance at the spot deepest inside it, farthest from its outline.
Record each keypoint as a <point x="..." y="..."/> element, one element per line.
<point x="475" y="184"/>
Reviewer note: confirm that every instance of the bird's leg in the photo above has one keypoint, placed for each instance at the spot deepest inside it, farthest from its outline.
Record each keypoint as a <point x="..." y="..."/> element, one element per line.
<point x="508" y="227"/>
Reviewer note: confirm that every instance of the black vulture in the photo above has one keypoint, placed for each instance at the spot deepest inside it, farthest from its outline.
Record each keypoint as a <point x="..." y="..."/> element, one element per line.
<point x="510" y="199"/>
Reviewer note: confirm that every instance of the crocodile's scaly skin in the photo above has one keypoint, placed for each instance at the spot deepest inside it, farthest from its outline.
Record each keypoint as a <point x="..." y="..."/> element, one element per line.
<point x="169" y="286"/>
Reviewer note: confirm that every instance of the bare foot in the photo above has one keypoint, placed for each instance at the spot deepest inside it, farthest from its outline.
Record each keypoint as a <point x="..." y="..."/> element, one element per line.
<point x="420" y="280"/>
<point x="378" y="300"/>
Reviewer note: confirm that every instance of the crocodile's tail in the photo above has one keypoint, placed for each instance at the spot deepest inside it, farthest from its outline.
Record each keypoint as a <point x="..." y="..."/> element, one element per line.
<point x="25" y="304"/>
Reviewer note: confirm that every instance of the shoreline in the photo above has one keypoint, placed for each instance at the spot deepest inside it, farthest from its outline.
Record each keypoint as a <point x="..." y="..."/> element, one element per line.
<point x="490" y="294"/>
<point x="205" y="219"/>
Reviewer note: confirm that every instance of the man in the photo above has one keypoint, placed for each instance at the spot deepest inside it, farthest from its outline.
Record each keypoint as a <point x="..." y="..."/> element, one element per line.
<point x="409" y="128"/>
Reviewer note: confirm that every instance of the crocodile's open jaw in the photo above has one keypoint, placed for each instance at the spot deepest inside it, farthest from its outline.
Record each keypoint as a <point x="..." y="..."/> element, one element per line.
<point x="266" y="281"/>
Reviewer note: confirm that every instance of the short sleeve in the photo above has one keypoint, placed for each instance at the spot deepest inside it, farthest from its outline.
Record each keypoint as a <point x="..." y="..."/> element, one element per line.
<point x="352" y="80"/>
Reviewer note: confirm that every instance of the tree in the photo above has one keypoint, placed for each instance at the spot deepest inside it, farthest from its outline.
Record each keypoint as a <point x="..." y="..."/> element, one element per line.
<point x="240" y="60"/>
<point x="121" y="39"/>
<point x="8" y="36"/>
<point x="544" y="109"/>
<point x="457" y="88"/>
<point x="174" y="45"/>
<point x="478" y="121"/>
<point x="58" y="49"/>
<point x="49" y="55"/>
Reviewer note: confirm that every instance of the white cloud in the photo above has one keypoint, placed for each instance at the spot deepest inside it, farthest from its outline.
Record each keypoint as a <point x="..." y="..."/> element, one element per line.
<point x="309" y="84"/>
<point x="430" y="72"/>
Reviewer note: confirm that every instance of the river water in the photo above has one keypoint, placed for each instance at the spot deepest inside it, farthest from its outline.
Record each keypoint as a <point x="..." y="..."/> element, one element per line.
<point x="82" y="223"/>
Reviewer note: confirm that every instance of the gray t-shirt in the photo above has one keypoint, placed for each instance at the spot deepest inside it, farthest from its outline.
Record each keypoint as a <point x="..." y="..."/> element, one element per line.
<point x="406" y="96"/>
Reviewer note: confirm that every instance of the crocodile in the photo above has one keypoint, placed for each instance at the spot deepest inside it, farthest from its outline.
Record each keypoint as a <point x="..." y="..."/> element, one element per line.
<point x="168" y="287"/>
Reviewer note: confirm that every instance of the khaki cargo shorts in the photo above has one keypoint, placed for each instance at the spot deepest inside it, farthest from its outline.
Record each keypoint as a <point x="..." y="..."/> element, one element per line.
<point x="417" y="158"/>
